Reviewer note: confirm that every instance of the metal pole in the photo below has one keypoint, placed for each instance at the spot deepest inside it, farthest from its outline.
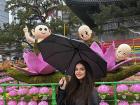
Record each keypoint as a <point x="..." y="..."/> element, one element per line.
<point x="64" y="29"/>
<point x="54" y="95"/>
<point x="4" y="95"/>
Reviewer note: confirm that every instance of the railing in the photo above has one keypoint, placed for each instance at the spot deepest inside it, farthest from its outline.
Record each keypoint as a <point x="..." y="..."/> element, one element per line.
<point x="54" y="85"/>
<point x="134" y="43"/>
<point x="115" y="86"/>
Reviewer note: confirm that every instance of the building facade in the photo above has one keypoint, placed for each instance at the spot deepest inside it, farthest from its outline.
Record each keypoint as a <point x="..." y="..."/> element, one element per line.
<point x="4" y="16"/>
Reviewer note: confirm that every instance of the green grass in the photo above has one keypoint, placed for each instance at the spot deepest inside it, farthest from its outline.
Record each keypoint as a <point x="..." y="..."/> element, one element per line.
<point x="20" y="76"/>
<point x="120" y="74"/>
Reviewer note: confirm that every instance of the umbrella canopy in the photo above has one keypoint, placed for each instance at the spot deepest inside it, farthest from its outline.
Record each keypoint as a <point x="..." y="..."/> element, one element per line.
<point x="63" y="53"/>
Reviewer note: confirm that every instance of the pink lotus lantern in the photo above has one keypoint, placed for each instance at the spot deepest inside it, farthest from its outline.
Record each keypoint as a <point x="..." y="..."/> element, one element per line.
<point x="36" y="65"/>
<point x="123" y="103"/>
<point x="122" y="88"/>
<point x="135" y="88"/>
<point x="12" y="103"/>
<point x="103" y="103"/>
<point x="44" y="90"/>
<point x="103" y="89"/>
<point x="1" y="90"/>
<point x="22" y="103"/>
<point x="136" y="103"/>
<point x="33" y="91"/>
<point x="1" y="102"/>
<point x="22" y="91"/>
<point x="43" y="103"/>
<point x="32" y="103"/>
<point x="10" y="88"/>
<point x="13" y="93"/>
<point x="111" y="91"/>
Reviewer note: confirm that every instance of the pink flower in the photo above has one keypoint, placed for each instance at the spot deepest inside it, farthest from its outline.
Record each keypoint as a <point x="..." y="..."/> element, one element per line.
<point x="32" y="103"/>
<point x="43" y="103"/>
<point x="122" y="88"/>
<point x="13" y="93"/>
<point x="138" y="74"/>
<point x="12" y="103"/>
<point x="135" y="103"/>
<point x="135" y="88"/>
<point x="1" y="90"/>
<point x="34" y="90"/>
<point x="103" y="103"/>
<point x="111" y="91"/>
<point x="1" y="102"/>
<point x="123" y="103"/>
<point x="103" y="89"/>
<point x="10" y="88"/>
<point x="22" y="91"/>
<point x="44" y="90"/>
<point x="22" y="103"/>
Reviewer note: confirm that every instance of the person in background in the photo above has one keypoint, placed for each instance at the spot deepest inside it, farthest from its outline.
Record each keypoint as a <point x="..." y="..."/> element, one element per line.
<point x="79" y="89"/>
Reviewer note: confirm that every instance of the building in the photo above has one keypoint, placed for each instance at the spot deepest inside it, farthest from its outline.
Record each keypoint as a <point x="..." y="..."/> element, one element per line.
<point x="4" y="16"/>
<point x="90" y="9"/>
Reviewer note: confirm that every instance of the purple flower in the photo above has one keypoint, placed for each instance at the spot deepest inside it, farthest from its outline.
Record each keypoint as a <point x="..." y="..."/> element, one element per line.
<point x="22" y="103"/>
<point x="103" y="103"/>
<point x="32" y="103"/>
<point x="123" y="103"/>
<point x="6" y="79"/>
<point x="22" y="91"/>
<point x="12" y="103"/>
<point x="138" y="74"/>
<point x="13" y="93"/>
<point x="135" y="88"/>
<point x="1" y="102"/>
<point x="122" y="88"/>
<point x="1" y="90"/>
<point x="10" y="88"/>
<point x="43" y="103"/>
<point x="136" y="103"/>
<point x="34" y="90"/>
<point x="103" y="89"/>
<point x="44" y="90"/>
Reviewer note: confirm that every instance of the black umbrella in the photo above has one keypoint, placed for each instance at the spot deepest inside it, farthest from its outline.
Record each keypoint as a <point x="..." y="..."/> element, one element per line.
<point x="63" y="53"/>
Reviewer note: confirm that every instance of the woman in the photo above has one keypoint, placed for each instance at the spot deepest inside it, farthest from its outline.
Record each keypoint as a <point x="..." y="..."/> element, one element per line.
<point x="80" y="88"/>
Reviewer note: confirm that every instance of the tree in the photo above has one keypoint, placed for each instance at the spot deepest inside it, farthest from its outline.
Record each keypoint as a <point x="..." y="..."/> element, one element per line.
<point x="127" y="11"/>
<point x="24" y="12"/>
<point x="98" y="14"/>
<point x="11" y="33"/>
<point x="30" y="9"/>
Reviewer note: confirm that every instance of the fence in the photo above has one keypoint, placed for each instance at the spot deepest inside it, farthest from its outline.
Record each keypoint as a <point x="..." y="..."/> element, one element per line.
<point x="134" y="43"/>
<point x="54" y="85"/>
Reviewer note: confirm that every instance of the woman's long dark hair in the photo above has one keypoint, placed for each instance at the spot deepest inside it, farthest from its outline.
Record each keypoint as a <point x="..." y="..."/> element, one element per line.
<point x="79" y="92"/>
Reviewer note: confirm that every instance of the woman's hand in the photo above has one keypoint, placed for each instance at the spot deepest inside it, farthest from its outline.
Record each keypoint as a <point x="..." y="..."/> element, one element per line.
<point x="63" y="83"/>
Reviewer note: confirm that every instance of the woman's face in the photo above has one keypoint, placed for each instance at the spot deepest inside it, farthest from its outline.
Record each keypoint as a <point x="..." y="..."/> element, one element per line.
<point x="80" y="71"/>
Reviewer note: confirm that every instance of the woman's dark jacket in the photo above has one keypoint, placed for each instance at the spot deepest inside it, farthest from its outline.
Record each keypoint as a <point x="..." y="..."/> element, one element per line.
<point x="93" y="100"/>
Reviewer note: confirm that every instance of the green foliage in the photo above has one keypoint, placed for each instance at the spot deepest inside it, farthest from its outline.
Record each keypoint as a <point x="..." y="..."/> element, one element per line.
<point x="57" y="25"/>
<point x="23" y="10"/>
<point x="11" y="33"/>
<point x="121" y="73"/>
<point x="125" y="96"/>
<point x="20" y="76"/>
<point x="127" y="10"/>
<point x="118" y="75"/>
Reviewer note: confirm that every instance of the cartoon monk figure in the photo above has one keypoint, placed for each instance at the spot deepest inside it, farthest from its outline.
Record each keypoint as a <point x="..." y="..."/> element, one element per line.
<point x="34" y="61"/>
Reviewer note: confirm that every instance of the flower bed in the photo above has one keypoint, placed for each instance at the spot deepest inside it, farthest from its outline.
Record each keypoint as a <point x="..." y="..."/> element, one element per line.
<point x="126" y="94"/>
<point x="27" y="96"/>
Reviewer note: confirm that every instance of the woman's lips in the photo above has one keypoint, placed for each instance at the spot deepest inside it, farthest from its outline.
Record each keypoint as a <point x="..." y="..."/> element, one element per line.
<point x="78" y="75"/>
